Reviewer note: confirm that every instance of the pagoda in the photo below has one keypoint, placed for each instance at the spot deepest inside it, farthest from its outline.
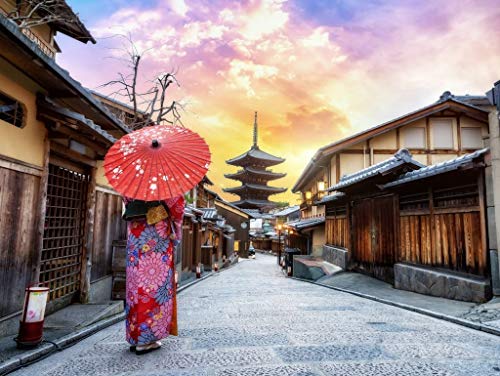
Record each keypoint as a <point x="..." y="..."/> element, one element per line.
<point x="254" y="175"/>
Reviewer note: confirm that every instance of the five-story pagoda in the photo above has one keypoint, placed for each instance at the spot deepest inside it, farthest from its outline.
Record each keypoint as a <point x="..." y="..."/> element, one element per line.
<point x="254" y="175"/>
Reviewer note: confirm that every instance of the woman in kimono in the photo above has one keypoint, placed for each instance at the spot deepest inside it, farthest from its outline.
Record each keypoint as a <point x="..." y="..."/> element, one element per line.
<point x="150" y="293"/>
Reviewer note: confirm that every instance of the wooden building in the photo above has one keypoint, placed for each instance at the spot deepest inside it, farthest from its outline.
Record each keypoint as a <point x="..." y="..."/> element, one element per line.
<point x="237" y="229"/>
<point x="59" y="217"/>
<point x="422" y="228"/>
<point x="445" y="130"/>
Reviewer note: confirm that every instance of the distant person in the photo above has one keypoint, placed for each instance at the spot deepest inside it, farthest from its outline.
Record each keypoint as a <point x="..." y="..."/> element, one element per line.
<point x="153" y="231"/>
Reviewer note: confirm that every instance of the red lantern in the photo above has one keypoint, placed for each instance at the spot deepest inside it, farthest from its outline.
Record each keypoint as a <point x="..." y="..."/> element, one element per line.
<point x="31" y="324"/>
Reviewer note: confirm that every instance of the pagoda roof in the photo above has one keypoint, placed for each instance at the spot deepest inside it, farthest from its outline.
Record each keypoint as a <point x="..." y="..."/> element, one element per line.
<point x="249" y="171"/>
<point x="254" y="187"/>
<point x="257" y="156"/>
<point x="253" y="204"/>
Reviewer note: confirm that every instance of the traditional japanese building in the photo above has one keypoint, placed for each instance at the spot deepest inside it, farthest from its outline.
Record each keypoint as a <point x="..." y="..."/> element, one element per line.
<point x="254" y="192"/>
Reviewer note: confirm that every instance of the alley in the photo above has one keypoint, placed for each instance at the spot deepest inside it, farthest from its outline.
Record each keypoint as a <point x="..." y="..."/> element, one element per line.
<point x="251" y="320"/>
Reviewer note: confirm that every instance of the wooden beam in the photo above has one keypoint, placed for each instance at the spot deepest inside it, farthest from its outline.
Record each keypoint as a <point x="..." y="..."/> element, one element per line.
<point x="433" y="227"/>
<point x="71" y="154"/>
<point x="428" y="139"/>
<point x="88" y="239"/>
<point x="459" y="136"/>
<point x="20" y="166"/>
<point x="337" y="168"/>
<point x="42" y="208"/>
<point x="482" y="218"/>
<point x="82" y="138"/>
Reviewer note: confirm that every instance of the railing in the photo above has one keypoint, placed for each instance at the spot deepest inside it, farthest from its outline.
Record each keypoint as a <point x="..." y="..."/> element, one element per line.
<point x="46" y="48"/>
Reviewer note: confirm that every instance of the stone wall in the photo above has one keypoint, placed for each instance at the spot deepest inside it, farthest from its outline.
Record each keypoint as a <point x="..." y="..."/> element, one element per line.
<point x="441" y="283"/>
<point x="336" y="256"/>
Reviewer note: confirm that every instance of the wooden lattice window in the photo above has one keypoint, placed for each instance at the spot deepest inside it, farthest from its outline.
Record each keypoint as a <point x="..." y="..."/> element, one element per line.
<point x="336" y="211"/>
<point x="64" y="231"/>
<point x="12" y="111"/>
<point x="457" y="197"/>
<point x="414" y="202"/>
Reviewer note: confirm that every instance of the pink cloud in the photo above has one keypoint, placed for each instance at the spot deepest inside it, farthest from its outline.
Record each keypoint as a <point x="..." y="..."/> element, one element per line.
<point x="311" y="82"/>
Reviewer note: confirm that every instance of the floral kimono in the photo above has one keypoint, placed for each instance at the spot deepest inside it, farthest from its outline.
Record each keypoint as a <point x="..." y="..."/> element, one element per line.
<point x="150" y="293"/>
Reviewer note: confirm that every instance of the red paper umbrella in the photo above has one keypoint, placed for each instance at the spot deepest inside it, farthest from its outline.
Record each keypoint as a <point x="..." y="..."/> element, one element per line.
<point x="157" y="162"/>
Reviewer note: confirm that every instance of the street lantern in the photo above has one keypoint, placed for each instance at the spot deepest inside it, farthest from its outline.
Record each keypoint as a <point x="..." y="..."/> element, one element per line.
<point x="321" y="186"/>
<point x="216" y="267"/>
<point x="31" y="324"/>
<point x="198" y="271"/>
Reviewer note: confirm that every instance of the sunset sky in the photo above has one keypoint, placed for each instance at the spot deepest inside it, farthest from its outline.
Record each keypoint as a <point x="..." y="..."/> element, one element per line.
<point x="316" y="71"/>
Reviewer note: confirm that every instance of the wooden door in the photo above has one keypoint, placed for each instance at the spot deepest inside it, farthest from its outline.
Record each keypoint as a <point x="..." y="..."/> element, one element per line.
<point x="362" y="214"/>
<point x="63" y="237"/>
<point x="374" y="236"/>
<point x="383" y="238"/>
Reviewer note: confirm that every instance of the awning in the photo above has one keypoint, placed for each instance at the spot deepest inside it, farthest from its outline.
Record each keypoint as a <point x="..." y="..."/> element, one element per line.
<point x="303" y="224"/>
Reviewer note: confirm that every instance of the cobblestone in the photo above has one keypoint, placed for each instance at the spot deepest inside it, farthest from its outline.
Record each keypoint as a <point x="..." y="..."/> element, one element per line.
<point x="251" y="320"/>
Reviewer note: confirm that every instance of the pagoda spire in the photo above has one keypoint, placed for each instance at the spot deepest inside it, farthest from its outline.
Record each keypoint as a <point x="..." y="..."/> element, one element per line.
<point x="255" y="131"/>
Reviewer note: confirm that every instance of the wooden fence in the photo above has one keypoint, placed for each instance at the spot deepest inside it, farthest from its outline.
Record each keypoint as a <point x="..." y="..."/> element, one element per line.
<point x="444" y="228"/>
<point x="337" y="226"/>
<point x="18" y="228"/>
<point x="108" y="227"/>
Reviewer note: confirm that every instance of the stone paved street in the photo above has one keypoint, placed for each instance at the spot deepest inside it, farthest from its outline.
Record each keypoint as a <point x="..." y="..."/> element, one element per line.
<point x="251" y="320"/>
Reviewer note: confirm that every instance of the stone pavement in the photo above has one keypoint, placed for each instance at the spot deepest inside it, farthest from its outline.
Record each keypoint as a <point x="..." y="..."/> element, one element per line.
<point x="252" y="320"/>
<point x="374" y="287"/>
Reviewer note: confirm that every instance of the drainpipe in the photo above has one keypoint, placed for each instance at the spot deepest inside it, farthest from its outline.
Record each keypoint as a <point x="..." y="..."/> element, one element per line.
<point x="493" y="210"/>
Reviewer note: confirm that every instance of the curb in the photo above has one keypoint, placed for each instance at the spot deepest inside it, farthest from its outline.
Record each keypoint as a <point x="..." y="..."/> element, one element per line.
<point x="455" y="320"/>
<point x="59" y="344"/>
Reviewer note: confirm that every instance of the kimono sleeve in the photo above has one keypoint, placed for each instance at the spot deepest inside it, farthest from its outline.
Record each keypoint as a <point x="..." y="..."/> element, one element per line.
<point x="176" y="208"/>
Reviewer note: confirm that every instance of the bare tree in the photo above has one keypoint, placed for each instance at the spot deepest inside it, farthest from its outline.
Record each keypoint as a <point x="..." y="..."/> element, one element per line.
<point x="150" y="105"/>
<point x="30" y="13"/>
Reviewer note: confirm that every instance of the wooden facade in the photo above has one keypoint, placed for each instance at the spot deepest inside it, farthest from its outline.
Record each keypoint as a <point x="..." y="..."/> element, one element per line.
<point x="337" y="226"/>
<point x="108" y="227"/>
<point x="59" y="226"/>
<point x="444" y="227"/>
<point x="19" y="191"/>
<point x="436" y="222"/>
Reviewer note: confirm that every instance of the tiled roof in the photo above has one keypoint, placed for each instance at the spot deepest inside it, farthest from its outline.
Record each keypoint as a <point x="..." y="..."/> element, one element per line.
<point x="78" y="117"/>
<point x="59" y="73"/>
<point x="436" y="169"/>
<point x="332" y="197"/>
<point x="270" y="175"/>
<point x="258" y="203"/>
<point x="257" y="187"/>
<point x="256" y="153"/>
<point x="306" y="223"/>
<point x="209" y="213"/>
<point x="287" y="211"/>
<point x="403" y="156"/>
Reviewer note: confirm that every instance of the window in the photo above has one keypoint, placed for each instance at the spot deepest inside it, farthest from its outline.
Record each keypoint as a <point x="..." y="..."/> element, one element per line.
<point x="472" y="138"/>
<point x="442" y="134"/>
<point x="414" y="138"/>
<point x="11" y="111"/>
